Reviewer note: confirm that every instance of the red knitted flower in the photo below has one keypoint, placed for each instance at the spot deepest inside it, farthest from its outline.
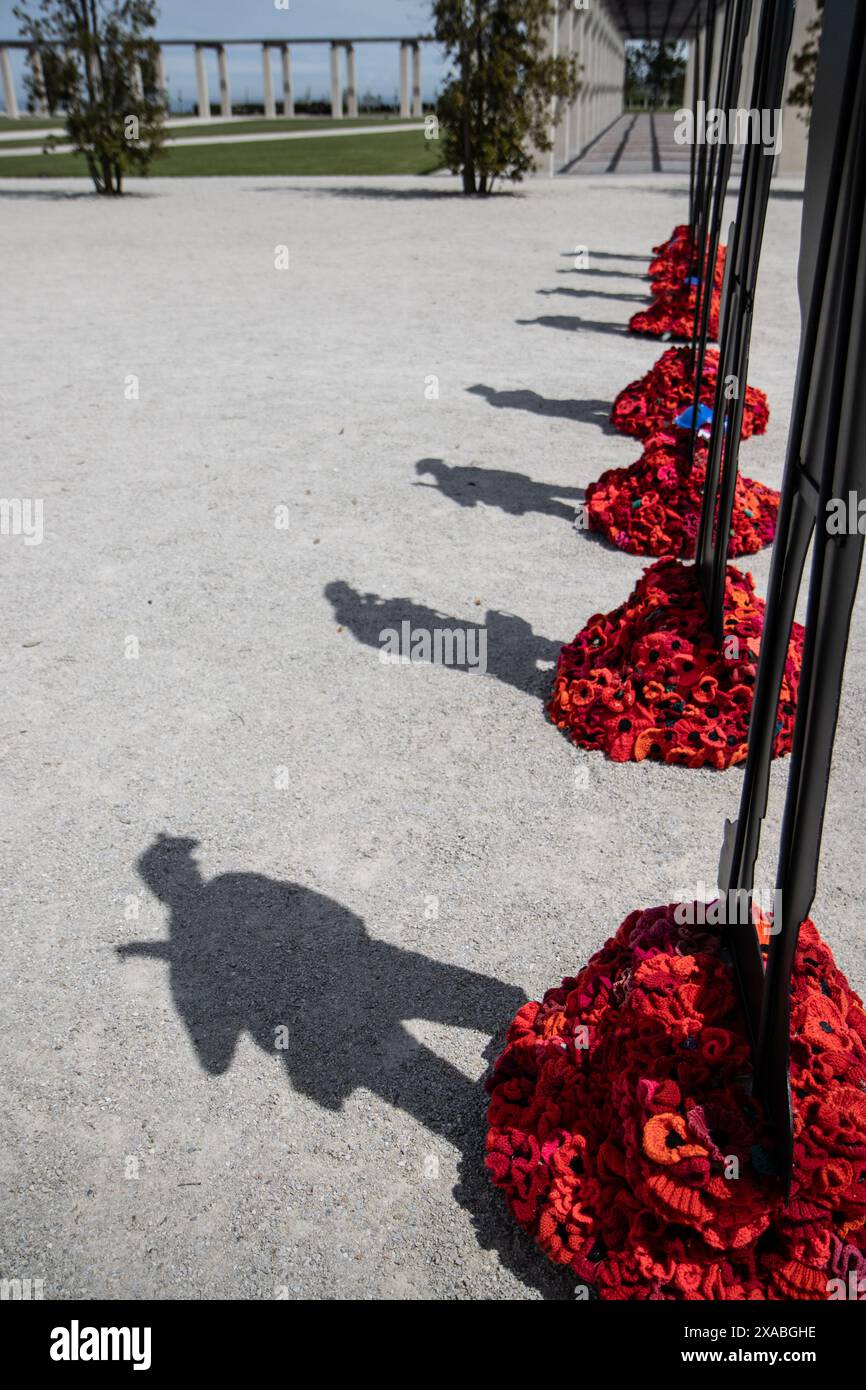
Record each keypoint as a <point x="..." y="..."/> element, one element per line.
<point x="679" y="233"/>
<point x="672" y="314"/>
<point x="653" y="507"/>
<point x="649" y="681"/>
<point x="674" y="291"/>
<point x="654" y="401"/>
<point x="624" y="1137"/>
<point x="669" y="270"/>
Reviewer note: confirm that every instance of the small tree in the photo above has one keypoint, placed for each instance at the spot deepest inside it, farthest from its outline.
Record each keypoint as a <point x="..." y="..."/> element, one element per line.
<point x="100" y="67"/>
<point x="496" y="111"/>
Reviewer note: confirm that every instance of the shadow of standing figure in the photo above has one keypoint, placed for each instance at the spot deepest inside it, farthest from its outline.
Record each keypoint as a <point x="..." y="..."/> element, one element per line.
<point x="627" y="298"/>
<point x="582" y="412"/>
<point x="250" y="954"/>
<point x="512" y="648"/>
<point x="516" y="494"/>
<point x="571" y="323"/>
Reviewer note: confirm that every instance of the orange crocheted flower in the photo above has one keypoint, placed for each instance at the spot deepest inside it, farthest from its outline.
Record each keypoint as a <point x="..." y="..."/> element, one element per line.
<point x="665" y="1140"/>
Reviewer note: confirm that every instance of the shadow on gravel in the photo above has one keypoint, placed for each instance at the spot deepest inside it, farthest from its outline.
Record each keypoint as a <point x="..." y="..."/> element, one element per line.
<point x="572" y="324"/>
<point x="513" y="493"/>
<point x="610" y="256"/>
<point x="251" y="954"/>
<point x="589" y="412"/>
<point x="60" y="195"/>
<point x="597" y="270"/>
<point x="595" y="294"/>
<point x="392" y="195"/>
<point x="512" y="648"/>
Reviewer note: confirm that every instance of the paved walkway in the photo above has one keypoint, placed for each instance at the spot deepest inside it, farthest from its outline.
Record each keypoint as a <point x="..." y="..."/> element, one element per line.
<point x="24" y="132"/>
<point x="635" y="144"/>
<point x="261" y="137"/>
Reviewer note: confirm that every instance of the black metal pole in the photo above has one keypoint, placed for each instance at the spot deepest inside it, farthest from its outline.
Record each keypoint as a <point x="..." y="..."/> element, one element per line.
<point x="744" y="251"/>
<point x="700" y="178"/>
<point x="696" y="68"/>
<point x="826" y="459"/>
<point x="737" y="17"/>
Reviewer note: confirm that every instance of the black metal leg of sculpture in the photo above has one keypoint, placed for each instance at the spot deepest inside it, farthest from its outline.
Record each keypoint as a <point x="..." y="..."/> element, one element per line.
<point x="732" y="299"/>
<point x="693" y="148"/>
<point x="709" y="153"/>
<point x="834" y="105"/>
<point x="774" y="40"/>
<point x="826" y="460"/>
<point x="737" y="18"/>
<point x="701" y="176"/>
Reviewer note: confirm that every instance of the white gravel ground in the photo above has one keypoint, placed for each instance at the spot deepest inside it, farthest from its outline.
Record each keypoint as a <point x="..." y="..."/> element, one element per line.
<point x="392" y="857"/>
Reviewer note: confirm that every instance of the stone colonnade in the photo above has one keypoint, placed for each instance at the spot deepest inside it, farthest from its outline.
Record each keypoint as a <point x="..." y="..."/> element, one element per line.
<point x="588" y="32"/>
<point x="411" y="104"/>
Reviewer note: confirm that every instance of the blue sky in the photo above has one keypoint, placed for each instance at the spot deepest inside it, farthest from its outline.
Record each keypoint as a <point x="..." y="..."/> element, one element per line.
<point x="377" y="66"/>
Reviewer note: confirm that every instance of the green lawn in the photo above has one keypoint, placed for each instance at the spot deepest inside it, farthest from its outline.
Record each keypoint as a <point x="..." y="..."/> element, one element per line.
<point x="26" y="141"/>
<point x="404" y="152"/>
<point x="30" y="122"/>
<point x="259" y="126"/>
<point x="201" y="132"/>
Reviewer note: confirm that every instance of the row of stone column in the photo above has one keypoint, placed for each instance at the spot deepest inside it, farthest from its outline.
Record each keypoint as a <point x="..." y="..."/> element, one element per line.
<point x="40" y="103"/>
<point x="225" y="94"/>
<point x="410" y="96"/>
<point x="589" y="34"/>
<point x="410" y="92"/>
<point x="40" y="97"/>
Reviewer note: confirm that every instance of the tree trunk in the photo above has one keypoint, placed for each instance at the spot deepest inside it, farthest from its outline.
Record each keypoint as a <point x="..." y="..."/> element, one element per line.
<point x="468" y="166"/>
<point x="468" y="153"/>
<point x="92" y="170"/>
<point x="478" y="132"/>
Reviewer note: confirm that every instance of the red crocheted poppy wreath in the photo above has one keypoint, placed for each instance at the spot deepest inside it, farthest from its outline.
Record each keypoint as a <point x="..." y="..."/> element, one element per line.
<point x="679" y="233"/>
<point x="654" y="401"/>
<point x="675" y="253"/>
<point x="672" y="315"/>
<point x="653" y="507"/>
<point x="649" y="681"/>
<point x="668" y="271"/>
<point x="624" y="1138"/>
